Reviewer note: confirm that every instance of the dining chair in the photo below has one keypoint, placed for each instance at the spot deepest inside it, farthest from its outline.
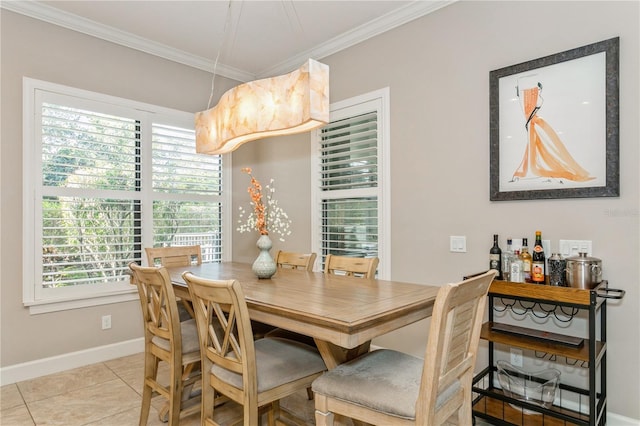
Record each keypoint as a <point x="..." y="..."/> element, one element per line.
<point x="176" y="256"/>
<point x="387" y="387"/>
<point x="351" y="266"/>
<point x="255" y="374"/>
<point x="292" y="260"/>
<point x="302" y="261"/>
<point x="169" y="340"/>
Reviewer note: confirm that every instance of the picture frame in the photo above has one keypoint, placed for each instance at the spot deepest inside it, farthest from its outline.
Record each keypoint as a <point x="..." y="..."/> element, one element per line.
<point x="554" y="126"/>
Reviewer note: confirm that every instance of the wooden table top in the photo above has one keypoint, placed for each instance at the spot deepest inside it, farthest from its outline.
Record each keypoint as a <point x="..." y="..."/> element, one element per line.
<point x="344" y="311"/>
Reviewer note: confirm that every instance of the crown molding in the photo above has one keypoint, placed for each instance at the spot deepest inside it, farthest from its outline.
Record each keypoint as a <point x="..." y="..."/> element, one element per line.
<point x="391" y="20"/>
<point x="43" y="12"/>
<point x="73" y="22"/>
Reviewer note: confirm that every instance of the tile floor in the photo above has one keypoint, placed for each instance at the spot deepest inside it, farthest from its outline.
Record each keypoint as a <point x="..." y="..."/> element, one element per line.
<point x="103" y="394"/>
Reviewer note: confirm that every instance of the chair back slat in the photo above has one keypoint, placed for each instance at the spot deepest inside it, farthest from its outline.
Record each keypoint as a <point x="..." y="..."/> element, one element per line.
<point x="174" y="256"/>
<point x="452" y="347"/>
<point x="292" y="260"/>
<point x="351" y="266"/>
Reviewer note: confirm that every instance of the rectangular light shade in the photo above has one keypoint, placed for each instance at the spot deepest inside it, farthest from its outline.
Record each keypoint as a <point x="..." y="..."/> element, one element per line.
<point x="292" y="103"/>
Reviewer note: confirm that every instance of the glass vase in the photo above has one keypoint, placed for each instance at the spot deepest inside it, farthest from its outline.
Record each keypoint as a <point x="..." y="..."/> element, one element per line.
<point x="264" y="266"/>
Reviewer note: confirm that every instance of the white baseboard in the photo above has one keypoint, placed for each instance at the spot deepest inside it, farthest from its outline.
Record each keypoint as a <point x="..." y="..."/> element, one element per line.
<point x="617" y="420"/>
<point x="55" y="364"/>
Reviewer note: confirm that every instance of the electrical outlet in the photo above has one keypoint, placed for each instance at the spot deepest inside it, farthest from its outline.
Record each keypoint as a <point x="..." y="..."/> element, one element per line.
<point x="106" y="322"/>
<point x="516" y="357"/>
<point x="573" y="247"/>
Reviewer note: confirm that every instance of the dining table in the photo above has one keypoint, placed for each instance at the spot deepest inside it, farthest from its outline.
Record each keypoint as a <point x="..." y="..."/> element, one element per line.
<point x="341" y="313"/>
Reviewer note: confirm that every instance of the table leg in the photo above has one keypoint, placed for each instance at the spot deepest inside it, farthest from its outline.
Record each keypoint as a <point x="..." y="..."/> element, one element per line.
<point x="334" y="355"/>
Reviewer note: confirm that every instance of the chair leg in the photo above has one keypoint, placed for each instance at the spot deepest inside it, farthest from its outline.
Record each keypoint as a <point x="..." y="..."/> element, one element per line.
<point x="208" y="397"/>
<point x="309" y="394"/>
<point x="188" y="381"/>
<point x="273" y="415"/>
<point x="324" y="419"/>
<point x="465" y="412"/>
<point x="323" y="416"/>
<point x="150" y="373"/>
<point x="175" y="394"/>
<point x="250" y="412"/>
<point x="146" y="405"/>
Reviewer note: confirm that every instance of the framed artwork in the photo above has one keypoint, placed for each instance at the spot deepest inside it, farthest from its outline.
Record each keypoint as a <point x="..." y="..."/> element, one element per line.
<point x="554" y="126"/>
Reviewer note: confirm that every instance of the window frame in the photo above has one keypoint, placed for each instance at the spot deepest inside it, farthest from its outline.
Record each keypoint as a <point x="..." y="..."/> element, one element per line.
<point x="41" y="300"/>
<point x="378" y="100"/>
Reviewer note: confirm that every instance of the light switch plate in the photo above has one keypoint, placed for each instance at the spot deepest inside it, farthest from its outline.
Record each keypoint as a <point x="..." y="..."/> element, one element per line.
<point x="458" y="244"/>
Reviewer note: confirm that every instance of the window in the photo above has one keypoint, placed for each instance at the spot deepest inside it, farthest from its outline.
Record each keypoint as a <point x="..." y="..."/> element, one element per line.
<point x="104" y="178"/>
<point x="350" y="175"/>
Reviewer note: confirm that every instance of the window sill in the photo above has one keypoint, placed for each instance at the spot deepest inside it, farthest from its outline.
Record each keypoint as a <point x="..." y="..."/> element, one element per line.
<point x="55" y="305"/>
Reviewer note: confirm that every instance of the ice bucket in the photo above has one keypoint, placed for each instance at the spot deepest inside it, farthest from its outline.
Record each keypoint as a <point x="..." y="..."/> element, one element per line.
<point x="537" y="388"/>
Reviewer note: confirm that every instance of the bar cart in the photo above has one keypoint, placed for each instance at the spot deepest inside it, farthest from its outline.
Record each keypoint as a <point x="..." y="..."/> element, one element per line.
<point x="574" y="405"/>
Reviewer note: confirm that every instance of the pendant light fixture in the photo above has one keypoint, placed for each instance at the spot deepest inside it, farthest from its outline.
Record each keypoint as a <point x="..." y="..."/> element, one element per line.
<point x="292" y="103"/>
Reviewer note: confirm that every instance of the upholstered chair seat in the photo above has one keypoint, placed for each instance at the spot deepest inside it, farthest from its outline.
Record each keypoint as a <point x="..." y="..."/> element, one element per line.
<point x="387" y="387"/>
<point x="190" y="342"/>
<point x="382" y="380"/>
<point x="278" y="361"/>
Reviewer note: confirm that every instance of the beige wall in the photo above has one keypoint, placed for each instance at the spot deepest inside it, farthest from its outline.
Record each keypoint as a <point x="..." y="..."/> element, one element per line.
<point x="437" y="68"/>
<point x="42" y="51"/>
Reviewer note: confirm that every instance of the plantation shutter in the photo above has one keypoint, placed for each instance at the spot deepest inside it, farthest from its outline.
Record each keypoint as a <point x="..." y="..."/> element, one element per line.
<point x="348" y="186"/>
<point x="89" y="194"/>
<point x="349" y="153"/>
<point x="105" y="177"/>
<point x="186" y="189"/>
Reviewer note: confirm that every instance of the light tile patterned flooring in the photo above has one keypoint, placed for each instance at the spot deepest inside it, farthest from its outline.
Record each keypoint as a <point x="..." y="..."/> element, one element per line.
<point x="103" y="394"/>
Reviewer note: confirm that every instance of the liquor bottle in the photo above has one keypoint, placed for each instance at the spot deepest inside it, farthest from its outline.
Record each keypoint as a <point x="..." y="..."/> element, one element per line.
<point x="515" y="268"/>
<point x="525" y="256"/>
<point x="507" y="257"/>
<point x="537" y="260"/>
<point x="495" y="257"/>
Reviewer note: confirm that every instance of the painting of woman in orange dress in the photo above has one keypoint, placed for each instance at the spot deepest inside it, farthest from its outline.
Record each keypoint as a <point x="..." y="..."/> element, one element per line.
<point x="545" y="154"/>
<point x="553" y="126"/>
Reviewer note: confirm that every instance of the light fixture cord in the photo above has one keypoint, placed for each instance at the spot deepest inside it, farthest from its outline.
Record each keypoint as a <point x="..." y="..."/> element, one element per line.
<point x="295" y="19"/>
<point x="215" y="62"/>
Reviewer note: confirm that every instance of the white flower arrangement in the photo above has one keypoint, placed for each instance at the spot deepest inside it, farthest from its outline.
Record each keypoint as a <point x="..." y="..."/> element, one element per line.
<point x="266" y="215"/>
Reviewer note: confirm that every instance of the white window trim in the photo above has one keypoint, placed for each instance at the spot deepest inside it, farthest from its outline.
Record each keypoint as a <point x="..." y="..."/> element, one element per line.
<point x="382" y="99"/>
<point x="32" y="222"/>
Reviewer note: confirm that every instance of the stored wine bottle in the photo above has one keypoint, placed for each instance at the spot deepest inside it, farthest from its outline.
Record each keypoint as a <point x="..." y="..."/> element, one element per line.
<point x="495" y="257"/>
<point x="537" y="260"/>
<point x="525" y="256"/>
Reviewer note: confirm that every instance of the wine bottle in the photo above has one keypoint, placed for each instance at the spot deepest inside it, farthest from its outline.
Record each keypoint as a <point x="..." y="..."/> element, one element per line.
<point x="507" y="257"/>
<point x="537" y="260"/>
<point x="525" y="256"/>
<point x="495" y="257"/>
